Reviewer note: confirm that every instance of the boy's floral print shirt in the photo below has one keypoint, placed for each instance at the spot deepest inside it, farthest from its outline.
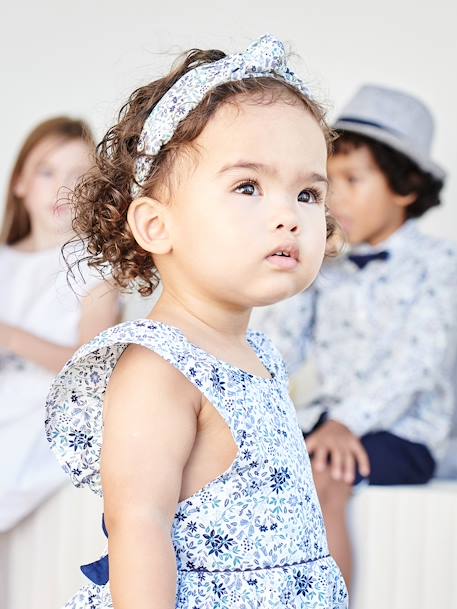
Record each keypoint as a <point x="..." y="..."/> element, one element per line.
<point x="383" y="339"/>
<point x="252" y="538"/>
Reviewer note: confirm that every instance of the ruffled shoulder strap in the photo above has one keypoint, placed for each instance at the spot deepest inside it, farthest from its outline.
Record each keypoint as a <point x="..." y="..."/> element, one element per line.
<point x="74" y="421"/>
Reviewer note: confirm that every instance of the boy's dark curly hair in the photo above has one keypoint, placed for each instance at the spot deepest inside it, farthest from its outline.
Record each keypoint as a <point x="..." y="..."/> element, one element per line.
<point x="102" y="199"/>
<point x="403" y="175"/>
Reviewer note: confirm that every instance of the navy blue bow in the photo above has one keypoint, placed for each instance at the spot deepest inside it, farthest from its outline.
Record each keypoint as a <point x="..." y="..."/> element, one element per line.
<point x="98" y="571"/>
<point x="361" y="260"/>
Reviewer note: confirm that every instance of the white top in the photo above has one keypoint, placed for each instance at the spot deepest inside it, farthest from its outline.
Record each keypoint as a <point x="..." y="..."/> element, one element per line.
<point x="34" y="296"/>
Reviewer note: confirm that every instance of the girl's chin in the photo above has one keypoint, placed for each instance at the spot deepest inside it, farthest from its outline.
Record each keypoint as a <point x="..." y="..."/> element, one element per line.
<point x="276" y="296"/>
<point x="61" y="229"/>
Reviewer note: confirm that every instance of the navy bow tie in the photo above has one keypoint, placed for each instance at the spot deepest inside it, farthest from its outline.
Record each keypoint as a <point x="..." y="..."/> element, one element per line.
<point x="361" y="260"/>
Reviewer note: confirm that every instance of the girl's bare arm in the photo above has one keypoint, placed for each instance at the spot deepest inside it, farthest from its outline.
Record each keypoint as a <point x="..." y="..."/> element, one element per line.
<point x="150" y="425"/>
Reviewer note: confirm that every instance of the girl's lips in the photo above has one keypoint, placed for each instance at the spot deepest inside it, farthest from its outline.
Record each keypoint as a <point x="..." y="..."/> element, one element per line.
<point x="60" y="210"/>
<point x="283" y="262"/>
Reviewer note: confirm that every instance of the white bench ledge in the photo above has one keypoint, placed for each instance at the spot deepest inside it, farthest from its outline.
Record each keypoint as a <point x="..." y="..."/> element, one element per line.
<point x="405" y="546"/>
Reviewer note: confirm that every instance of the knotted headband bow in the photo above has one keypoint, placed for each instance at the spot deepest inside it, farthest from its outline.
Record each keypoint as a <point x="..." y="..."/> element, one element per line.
<point x="264" y="57"/>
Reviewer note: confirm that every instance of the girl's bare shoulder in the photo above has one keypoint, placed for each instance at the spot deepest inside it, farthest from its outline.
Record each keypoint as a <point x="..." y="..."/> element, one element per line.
<point x="141" y="372"/>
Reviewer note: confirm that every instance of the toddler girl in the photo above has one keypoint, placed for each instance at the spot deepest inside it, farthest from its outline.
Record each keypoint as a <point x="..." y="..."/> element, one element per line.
<point x="214" y="179"/>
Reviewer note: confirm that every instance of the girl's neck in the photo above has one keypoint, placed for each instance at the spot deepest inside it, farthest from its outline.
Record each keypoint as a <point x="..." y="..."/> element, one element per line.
<point x="202" y="317"/>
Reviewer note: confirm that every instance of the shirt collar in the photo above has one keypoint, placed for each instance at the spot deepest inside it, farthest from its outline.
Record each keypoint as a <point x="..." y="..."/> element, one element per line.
<point x="394" y="244"/>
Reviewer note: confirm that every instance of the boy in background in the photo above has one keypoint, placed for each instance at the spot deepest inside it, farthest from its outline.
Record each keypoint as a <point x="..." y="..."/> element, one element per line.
<point x="380" y="321"/>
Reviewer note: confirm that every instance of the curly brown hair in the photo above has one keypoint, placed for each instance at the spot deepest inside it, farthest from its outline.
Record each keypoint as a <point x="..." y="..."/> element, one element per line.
<point x="102" y="199"/>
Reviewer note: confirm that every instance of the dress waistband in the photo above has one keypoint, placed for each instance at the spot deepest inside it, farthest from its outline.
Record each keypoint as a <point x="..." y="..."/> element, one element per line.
<point x="253" y="569"/>
<point x="98" y="571"/>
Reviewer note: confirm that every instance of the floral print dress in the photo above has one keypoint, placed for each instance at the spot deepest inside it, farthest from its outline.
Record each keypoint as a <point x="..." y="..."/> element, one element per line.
<point x="253" y="538"/>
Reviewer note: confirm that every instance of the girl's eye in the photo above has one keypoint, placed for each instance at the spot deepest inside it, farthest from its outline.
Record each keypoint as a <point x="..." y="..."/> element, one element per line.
<point x="311" y="197"/>
<point x="45" y="172"/>
<point x="248" y="188"/>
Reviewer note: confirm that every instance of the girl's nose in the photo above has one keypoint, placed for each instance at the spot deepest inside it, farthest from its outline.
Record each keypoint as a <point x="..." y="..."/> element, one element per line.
<point x="290" y="226"/>
<point x="285" y="219"/>
<point x="68" y="183"/>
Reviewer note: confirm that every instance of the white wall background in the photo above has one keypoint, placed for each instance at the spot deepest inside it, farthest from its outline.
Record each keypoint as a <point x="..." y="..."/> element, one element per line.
<point x="84" y="57"/>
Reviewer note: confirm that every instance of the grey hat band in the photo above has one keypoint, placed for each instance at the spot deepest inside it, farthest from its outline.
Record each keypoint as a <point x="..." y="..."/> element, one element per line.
<point x="392" y="138"/>
<point x="360" y="121"/>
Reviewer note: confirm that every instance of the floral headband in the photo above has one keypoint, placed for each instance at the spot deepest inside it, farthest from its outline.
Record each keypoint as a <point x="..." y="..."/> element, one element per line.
<point x="264" y="57"/>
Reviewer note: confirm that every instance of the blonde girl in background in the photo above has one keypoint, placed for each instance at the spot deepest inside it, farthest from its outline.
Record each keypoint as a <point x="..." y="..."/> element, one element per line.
<point x="42" y="320"/>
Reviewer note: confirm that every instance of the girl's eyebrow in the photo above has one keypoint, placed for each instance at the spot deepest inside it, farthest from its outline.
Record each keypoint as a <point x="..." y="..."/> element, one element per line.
<point x="259" y="167"/>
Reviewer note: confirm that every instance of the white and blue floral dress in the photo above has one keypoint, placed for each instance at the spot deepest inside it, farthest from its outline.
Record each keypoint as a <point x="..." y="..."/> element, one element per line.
<point x="254" y="538"/>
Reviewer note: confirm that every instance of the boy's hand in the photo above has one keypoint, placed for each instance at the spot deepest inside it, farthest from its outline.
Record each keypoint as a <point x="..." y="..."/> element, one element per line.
<point x="334" y="442"/>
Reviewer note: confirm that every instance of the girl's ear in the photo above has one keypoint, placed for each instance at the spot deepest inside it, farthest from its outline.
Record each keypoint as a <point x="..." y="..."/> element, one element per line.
<point x="146" y="218"/>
